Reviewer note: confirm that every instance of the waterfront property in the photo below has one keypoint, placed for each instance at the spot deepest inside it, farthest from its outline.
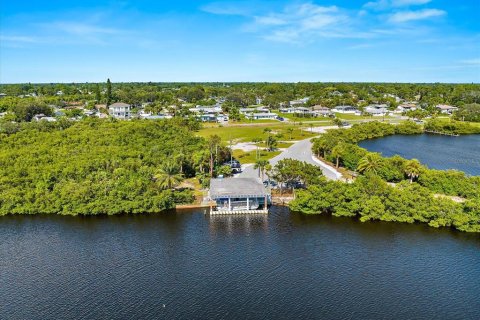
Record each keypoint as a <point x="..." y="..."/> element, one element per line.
<point x="238" y="195"/>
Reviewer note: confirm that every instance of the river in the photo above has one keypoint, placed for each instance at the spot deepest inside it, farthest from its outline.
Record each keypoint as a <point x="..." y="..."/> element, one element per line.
<point x="188" y="265"/>
<point x="436" y="151"/>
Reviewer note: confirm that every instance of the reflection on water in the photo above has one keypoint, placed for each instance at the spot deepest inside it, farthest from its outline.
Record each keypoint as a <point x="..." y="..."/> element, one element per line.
<point x="436" y="151"/>
<point x="188" y="265"/>
<point x="237" y="224"/>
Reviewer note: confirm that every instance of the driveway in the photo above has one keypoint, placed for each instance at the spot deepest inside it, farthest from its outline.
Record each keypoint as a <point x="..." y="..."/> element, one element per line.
<point x="301" y="150"/>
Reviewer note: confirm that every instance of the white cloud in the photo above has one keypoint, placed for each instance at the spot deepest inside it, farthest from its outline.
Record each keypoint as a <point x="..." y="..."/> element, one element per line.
<point x="472" y="62"/>
<point x="82" y="29"/>
<point x="297" y="23"/>
<point x="19" y="39"/>
<point x="307" y="22"/>
<point x="400" y="3"/>
<point x="270" y="21"/>
<point x="223" y="8"/>
<point x="387" y="4"/>
<point x="406" y="16"/>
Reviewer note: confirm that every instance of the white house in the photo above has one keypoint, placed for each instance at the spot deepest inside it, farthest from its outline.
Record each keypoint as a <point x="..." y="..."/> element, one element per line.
<point x="299" y="102"/>
<point x="120" y="110"/>
<point x="346" y="109"/>
<point x="287" y="110"/>
<point x="261" y="116"/>
<point x="446" y="109"/>
<point x="42" y="117"/>
<point x="405" y="107"/>
<point x="378" y="110"/>
<point x="246" y="111"/>
<point x="206" y="109"/>
<point x="321" y="111"/>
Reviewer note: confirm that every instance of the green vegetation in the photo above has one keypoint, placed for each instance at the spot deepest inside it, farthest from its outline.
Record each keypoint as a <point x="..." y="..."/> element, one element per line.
<point x="249" y="133"/>
<point x="251" y="156"/>
<point x="289" y="173"/>
<point x="101" y="166"/>
<point x="451" y="126"/>
<point x="371" y="198"/>
<point x="410" y="199"/>
<point x="468" y="112"/>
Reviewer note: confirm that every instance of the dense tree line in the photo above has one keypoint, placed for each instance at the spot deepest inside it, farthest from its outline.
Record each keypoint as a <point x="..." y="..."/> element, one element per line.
<point x="101" y="166"/>
<point x="468" y="112"/>
<point x="369" y="197"/>
<point x="242" y="94"/>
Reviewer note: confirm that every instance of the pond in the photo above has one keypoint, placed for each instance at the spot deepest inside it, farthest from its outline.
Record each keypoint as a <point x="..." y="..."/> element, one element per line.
<point x="436" y="151"/>
<point x="188" y="265"/>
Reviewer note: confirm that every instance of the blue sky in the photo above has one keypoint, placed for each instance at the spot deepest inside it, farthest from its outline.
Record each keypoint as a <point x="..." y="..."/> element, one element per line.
<point x="324" y="40"/>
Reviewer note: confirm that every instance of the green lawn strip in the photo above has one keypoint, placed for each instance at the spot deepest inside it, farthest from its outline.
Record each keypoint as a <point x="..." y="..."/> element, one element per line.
<point x="250" y="157"/>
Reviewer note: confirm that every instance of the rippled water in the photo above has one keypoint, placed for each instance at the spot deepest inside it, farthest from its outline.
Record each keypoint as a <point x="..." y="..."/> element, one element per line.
<point x="436" y="151"/>
<point x="192" y="266"/>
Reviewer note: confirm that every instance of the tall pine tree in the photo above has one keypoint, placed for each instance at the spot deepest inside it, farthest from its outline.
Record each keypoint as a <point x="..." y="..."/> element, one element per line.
<point x="109" y="92"/>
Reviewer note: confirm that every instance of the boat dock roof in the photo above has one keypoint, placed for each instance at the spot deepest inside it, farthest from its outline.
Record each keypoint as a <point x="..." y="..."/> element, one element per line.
<point x="225" y="188"/>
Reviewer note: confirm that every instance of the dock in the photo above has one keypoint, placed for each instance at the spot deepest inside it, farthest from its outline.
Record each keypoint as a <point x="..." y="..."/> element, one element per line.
<point x="238" y="196"/>
<point x="233" y="212"/>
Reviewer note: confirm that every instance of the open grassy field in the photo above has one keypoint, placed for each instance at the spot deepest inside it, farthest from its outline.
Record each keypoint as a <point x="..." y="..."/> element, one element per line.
<point x="248" y="133"/>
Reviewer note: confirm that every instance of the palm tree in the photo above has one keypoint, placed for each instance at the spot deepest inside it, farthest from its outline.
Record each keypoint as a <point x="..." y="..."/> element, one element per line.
<point x="338" y="152"/>
<point x="412" y="169"/>
<point x="256" y="141"/>
<point x="168" y="176"/>
<point x="261" y="165"/>
<point x="290" y="131"/>
<point x="371" y="163"/>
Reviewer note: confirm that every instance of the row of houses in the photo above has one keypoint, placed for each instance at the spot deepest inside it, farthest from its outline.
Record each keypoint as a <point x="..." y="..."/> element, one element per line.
<point x="215" y="113"/>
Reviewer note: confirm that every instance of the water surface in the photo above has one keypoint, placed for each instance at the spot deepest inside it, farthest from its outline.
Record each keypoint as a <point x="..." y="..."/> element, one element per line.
<point x="436" y="151"/>
<point x="191" y="266"/>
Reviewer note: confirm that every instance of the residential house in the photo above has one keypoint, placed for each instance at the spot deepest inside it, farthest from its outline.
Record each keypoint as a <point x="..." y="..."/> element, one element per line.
<point x="404" y="107"/>
<point x="322" y="111"/>
<point x="287" y="110"/>
<point x="42" y="117"/>
<point x="299" y="102"/>
<point x="120" y="110"/>
<point x="446" y="109"/>
<point x="261" y="116"/>
<point x="377" y="110"/>
<point x="346" y="110"/>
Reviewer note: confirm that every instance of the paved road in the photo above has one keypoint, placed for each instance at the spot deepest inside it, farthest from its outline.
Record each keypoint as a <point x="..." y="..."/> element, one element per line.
<point x="301" y="150"/>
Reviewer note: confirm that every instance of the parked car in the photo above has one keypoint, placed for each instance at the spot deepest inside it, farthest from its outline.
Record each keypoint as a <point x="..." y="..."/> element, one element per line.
<point x="281" y="118"/>
<point x="272" y="183"/>
<point x="235" y="165"/>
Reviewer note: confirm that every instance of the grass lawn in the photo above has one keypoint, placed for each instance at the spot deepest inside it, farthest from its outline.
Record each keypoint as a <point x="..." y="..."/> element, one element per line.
<point x="349" y="116"/>
<point x="248" y="133"/>
<point x="250" y="157"/>
<point x="293" y="117"/>
<point x="248" y="121"/>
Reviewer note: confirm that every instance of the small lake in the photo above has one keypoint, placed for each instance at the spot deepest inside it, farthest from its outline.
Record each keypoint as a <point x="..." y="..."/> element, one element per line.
<point x="188" y="265"/>
<point x="436" y="151"/>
